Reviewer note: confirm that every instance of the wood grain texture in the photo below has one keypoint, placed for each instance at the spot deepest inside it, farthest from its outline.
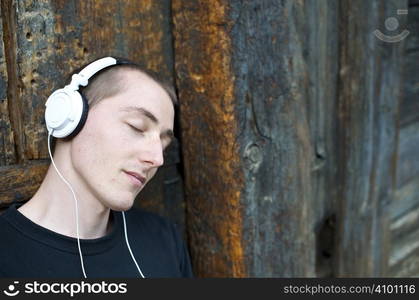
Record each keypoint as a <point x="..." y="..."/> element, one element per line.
<point x="405" y="198"/>
<point x="209" y="130"/>
<point x="405" y="224"/>
<point x="246" y="140"/>
<point x="408" y="267"/>
<point x="19" y="182"/>
<point x="404" y="255"/>
<point x="271" y="76"/>
<point x="7" y="142"/>
<point x="319" y="32"/>
<point x="404" y="252"/>
<point x="408" y="154"/>
<point x="409" y="112"/>
<point x="369" y="95"/>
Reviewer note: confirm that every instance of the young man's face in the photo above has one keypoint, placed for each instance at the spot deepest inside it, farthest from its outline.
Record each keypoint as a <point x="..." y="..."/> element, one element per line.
<point x="123" y="139"/>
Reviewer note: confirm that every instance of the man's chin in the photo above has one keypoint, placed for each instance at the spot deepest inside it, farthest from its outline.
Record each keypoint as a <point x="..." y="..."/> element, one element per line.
<point x="120" y="205"/>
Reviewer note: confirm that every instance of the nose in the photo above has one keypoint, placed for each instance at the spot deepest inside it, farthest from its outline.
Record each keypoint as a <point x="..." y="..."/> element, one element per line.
<point x="152" y="153"/>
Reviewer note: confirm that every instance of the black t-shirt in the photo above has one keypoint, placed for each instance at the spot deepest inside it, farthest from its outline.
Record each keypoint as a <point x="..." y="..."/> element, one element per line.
<point x="30" y="250"/>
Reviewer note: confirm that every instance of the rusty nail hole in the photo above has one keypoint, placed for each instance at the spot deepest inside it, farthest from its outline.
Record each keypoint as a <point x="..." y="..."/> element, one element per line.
<point x="85" y="50"/>
<point x="29" y="35"/>
<point x="33" y="81"/>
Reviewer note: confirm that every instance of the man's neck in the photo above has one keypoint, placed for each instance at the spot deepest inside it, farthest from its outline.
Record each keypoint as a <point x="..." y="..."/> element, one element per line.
<point x="53" y="207"/>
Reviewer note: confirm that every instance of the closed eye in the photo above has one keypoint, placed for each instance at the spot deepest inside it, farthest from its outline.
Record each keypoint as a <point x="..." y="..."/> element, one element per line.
<point x="136" y="128"/>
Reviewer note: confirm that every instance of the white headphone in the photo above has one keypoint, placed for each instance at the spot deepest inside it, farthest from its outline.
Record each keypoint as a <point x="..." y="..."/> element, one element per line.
<point x="65" y="114"/>
<point x="66" y="109"/>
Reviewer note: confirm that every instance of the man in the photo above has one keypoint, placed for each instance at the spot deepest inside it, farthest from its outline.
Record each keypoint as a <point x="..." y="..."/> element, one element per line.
<point x="117" y="151"/>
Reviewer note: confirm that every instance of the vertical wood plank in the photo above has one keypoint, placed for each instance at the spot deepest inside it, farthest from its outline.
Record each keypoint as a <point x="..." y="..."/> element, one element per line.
<point x="409" y="112"/>
<point x="206" y="95"/>
<point x="10" y="122"/>
<point x="320" y="34"/>
<point x="370" y="85"/>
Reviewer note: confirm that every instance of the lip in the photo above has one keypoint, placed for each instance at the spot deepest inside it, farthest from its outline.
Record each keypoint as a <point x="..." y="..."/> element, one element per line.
<point x="136" y="178"/>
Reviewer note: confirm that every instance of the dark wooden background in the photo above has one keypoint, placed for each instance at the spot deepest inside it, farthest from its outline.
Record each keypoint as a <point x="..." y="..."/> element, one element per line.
<point x="297" y="151"/>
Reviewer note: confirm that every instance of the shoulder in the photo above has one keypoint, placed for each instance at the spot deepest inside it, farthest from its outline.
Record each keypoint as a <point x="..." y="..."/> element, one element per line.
<point x="164" y="242"/>
<point x="157" y="230"/>
<point x="149" y="221"/>
<point x="12" y="240"/>
<point x="7" y="224"/>
<point x="139" y="215"/>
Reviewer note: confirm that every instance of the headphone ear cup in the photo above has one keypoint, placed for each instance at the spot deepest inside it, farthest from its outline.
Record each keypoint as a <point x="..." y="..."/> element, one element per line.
<point x="65" y="110"/>
<point x="83" y="117"/>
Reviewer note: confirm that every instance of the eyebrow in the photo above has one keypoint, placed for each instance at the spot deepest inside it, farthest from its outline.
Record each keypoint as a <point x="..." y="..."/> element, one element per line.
<point x="149" y="115"/>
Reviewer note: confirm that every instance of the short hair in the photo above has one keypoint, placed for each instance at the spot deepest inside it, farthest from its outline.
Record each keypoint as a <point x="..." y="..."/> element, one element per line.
<point x="98" y="87"/>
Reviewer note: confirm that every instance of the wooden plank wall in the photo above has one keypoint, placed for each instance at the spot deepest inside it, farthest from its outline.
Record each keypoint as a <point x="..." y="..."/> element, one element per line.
<point x="240" y="70"/>
<point x="297" y="150"/>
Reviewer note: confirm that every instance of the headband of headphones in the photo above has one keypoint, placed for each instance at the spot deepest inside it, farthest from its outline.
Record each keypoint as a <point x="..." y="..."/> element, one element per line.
<point x="82" y="78"/>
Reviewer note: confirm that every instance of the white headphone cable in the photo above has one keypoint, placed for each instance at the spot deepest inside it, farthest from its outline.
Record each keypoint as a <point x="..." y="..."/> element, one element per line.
<point x="75" y="200"/>
<point x="129" y="248"/>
